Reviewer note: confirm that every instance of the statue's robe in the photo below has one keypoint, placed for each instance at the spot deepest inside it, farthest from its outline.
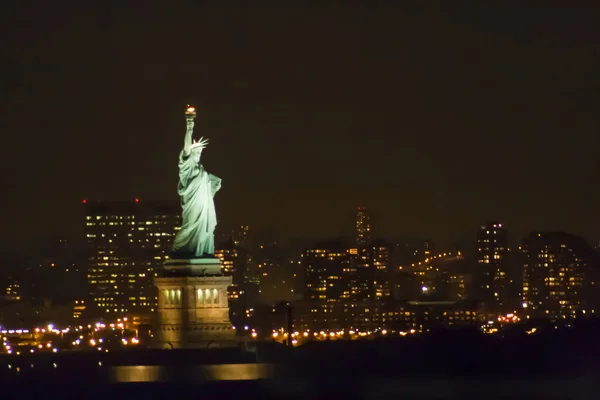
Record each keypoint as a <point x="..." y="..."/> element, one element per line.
<point x="197" y="189"/>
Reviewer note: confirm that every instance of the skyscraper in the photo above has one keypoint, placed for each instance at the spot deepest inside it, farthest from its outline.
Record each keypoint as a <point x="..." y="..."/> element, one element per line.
<point x="127" y="243"/>
<point x="363" y="226"/>
<point x="331" y="285"/>
<point x="374" y="274"/>
<point x="560" y="276"/>
<point x="345" y="287"/>
<point x="276" y="274"/>
<point x="382" y="274"/>
<point x="492" y="275"/>
<point x="12" y="290"/>
<point x="330" y="273"/>
<point x="234" y="261"/>
<point x="241" y="235"/>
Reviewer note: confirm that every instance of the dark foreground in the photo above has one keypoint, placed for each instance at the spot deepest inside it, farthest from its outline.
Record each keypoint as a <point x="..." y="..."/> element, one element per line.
<point x="448" y="366"/>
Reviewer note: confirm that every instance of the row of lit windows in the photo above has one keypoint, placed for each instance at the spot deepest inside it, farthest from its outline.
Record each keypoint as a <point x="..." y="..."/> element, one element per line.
<point x="172" y="297"/>
<point x="204" y="297"/>
<point x="208" y="296"/>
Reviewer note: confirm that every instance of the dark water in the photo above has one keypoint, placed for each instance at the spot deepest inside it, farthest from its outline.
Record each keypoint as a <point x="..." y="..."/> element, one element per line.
<point x="247" y="381"/>
<point x="370" y="371"/>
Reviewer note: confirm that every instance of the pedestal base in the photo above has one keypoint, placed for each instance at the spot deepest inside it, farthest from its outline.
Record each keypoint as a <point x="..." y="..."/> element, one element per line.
<point x="193" y="310"/>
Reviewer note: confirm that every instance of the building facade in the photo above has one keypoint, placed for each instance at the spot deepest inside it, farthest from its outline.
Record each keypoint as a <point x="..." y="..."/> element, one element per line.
<point x="363" y="226"/>
<point x="330" y="273"/>
<point x="492" y="277"/>
<point x="560" y="276"/>
<point x="127" y="242"/>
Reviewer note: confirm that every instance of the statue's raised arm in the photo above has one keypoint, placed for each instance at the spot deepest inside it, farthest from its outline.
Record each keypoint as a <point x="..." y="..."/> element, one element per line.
<point x="189" y="131"/>
<point x="189" y="144"/>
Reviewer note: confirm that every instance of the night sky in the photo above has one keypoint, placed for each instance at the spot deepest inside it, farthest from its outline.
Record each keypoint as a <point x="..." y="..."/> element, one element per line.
<point x="436" y="117"/>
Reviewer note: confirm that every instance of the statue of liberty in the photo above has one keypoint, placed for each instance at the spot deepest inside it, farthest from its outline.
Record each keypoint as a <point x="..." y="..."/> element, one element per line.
<point x="197" y="188"/>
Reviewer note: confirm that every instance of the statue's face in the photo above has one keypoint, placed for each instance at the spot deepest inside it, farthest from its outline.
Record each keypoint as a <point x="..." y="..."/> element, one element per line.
<point x="196" y="156"/>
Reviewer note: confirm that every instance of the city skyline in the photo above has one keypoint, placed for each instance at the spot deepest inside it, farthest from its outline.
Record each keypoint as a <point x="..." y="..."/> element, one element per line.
<point x="341" y="200"/>
<point x="344" y="232"/>
<point x="470" y="119"/>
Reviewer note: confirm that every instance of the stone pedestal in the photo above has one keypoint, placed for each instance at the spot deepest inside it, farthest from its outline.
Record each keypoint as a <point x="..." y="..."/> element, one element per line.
<point x="193" y="311"/>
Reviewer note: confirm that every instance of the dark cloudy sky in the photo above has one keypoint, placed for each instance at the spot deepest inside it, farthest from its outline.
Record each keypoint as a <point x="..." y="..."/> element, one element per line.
<point x="436" y="116"/>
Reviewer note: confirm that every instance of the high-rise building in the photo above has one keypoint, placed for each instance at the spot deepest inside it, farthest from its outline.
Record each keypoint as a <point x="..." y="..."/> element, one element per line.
<point x="127" y="243"/>
<point x="493" y="284"/>
<point x="59" y="256"/>
<point x="363" y="226"/>
<point x="374" y="275"/>
<point x="234" y="261"/>
<point x="560" y="276"/>
<point x="12" y="289"/>
<point x="335" y="290"/>
<point x="275" y="273"/>
<point x="380" y="254"/>
<point x="330" y="273"/>
<point x="241" y="235"/>
<point x="61" y="272"/>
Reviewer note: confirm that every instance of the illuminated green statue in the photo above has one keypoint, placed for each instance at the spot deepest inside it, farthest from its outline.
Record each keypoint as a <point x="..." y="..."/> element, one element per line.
<point x="197" y="189"/>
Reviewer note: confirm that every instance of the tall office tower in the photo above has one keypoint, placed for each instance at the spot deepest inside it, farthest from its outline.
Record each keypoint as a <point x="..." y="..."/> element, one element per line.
<point x="382" y="273"/>
<point x="374" y="274"/>
<point x="493" y="285"/>
<point x="330" y="273"/>
<point x="276" y="274"/>
<point x="345" y="288"/>
<point x="241" y="236"/>
<point x="363" y="226"/>
<point x="12" y="289"/>
<point x="560" y="276"/>
<point x="127" y="242"/>
<point x="331" y="286"/>
<point x="234" y="261"/>
<point x="61" y="273"/>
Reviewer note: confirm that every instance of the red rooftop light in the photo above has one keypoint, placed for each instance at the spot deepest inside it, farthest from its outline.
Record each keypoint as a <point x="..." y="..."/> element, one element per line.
<point x="137" y="200"/>
<point x="84" y="201"/>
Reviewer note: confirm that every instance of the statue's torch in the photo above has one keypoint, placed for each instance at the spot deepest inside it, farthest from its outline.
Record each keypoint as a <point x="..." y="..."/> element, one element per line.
<point x="190" y="113"/>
